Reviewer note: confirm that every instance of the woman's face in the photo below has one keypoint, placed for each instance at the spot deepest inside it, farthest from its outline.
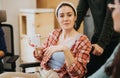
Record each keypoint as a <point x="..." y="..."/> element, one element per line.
<point x="66" y="17"/>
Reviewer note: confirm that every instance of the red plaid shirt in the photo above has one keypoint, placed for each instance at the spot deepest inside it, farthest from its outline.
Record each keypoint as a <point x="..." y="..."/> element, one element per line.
<point x="80" y="51"/>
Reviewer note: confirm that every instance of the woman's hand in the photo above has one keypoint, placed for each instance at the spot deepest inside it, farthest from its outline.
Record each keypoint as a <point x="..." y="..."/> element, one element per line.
<point x="97" y="50"/>
<point x="37" y="51"/>
<point x="50" y="50"/>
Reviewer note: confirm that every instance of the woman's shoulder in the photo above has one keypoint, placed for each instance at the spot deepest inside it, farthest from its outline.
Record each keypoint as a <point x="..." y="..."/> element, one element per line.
<point x="55" y="33"/>
<point x="82" y="37"/>
<point x="57" y="30"/>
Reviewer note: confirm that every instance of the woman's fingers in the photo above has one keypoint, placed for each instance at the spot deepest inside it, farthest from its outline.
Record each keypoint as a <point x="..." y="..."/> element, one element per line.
<point x="48" y="52"/>
<point x="117" y="2"/>
<point x="116" y="5"/>
<point x="37" y="51"/>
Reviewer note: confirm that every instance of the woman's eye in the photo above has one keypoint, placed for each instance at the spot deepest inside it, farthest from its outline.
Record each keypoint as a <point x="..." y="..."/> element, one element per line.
<point x="69" y="15"/>
<point x="61" y="15"/>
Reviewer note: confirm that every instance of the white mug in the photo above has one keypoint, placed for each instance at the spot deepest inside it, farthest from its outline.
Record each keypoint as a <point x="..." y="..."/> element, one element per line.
<point x="34" y="40"/>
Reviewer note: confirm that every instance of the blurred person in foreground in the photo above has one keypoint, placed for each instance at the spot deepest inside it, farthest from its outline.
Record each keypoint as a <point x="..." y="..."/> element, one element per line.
<point x="104" y="38"/>
<point x="111" y="68"/>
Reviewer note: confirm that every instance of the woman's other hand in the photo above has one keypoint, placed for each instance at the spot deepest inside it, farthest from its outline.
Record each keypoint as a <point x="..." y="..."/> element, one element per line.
<point x="50" y="50"/>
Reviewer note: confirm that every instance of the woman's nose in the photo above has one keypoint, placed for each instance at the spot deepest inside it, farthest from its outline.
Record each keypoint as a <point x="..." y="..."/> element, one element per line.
<point x="65" y="18"/>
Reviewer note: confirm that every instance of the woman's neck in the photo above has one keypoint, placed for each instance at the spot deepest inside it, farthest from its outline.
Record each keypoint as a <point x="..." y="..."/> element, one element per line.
<point x="68" y="33"/>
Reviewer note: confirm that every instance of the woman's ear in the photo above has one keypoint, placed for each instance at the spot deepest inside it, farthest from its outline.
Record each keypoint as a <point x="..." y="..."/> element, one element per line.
<point x="75" y="18"/>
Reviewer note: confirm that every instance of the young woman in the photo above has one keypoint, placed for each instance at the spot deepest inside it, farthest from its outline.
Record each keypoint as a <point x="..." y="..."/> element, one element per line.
<point x="65" y="51"/>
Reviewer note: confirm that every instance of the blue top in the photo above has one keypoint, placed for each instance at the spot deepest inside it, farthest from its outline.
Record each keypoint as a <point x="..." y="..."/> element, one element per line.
<point x="57" y="59"/>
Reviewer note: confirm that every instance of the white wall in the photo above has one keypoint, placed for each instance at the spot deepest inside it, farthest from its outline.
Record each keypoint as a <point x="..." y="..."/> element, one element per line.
<point x="0" y="5"/>
<point x="12" y="8"/>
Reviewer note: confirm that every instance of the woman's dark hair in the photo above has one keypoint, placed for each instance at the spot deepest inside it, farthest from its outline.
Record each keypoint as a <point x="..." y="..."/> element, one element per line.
<point x="114" y="68"/>
<point x="65" y="4"/>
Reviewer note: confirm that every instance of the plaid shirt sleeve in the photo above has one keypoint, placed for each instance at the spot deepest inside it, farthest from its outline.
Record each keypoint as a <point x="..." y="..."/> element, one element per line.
<point x="81" y="52"/>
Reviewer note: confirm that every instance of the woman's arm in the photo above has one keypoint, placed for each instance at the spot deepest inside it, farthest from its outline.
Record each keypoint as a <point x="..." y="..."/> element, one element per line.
<point x="77" y="66"/>
<point x="69" y="58"/>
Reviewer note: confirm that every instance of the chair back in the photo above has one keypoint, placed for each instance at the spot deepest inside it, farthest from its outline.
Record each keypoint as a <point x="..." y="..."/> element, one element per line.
<point x="10" y="58"/>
